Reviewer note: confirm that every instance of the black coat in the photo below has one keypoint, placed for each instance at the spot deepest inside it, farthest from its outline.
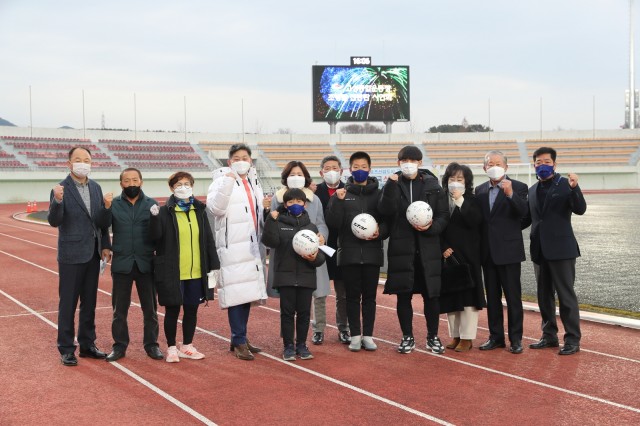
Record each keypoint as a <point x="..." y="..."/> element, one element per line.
<point x="340" y="213"/>
<point x="551" y="231"/>
<point x="405" y="243"/>
<point x="502" y="227"/>
<point x="166" y="262"/>
<point x="322" y="192"/>
<point x="463" y="234"/>
<point x="289" y="268"/>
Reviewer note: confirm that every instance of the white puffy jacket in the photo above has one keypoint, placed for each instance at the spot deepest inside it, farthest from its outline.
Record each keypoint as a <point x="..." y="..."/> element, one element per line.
<point x="242" y="269"/>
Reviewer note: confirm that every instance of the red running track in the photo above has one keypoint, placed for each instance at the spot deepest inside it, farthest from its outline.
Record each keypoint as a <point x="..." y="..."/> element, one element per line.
<point x="599" y="385"/>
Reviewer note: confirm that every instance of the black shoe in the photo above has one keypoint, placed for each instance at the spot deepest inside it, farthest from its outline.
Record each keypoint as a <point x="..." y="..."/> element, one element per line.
<point x="69" y="360"/>
<point x="515" y="348"/>
<point x="92" y="352"/>
<point x="154" y="353"/>
<point x="318" y="338"/>
<point x="544" y="343"/>
<point x="114" y="355"/>
<point x="568" y="349"/>
<point x="491" y="344"/>
<point x="344" y="337"/>
<point x="303" y="351"/>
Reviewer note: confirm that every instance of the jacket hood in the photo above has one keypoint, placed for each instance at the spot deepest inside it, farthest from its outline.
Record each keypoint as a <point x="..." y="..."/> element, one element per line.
<point x="172" y="201"/>
<point x="251" y="175"/>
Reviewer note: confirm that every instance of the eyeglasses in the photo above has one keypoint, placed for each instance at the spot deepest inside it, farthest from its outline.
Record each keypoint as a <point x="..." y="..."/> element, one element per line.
<point x="182" y="185"/>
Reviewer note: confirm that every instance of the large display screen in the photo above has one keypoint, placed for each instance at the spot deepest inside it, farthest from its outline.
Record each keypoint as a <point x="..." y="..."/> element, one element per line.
<point x="342" y="93"/>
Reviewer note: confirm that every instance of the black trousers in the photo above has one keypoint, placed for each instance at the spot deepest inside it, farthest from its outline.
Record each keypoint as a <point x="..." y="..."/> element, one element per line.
<point x="295" y="306"/>
<point x="189" y="321"/>
<point x="431" y="305"/>
<point x="498" y="279"/>
<point x="77" y="281"/>
<point x="558" y="276"/>
<point x="121" y="300"/>
<point x="361" y="282"/>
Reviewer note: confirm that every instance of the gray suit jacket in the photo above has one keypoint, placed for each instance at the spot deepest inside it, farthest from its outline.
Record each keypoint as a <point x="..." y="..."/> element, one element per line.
<point x="78" y="229"/>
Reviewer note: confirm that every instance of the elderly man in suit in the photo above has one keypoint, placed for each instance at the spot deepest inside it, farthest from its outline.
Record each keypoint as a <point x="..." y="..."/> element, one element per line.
<point x="554" y="249"/>
<point x="504" y="206"/>
<point x="82" y="215"/>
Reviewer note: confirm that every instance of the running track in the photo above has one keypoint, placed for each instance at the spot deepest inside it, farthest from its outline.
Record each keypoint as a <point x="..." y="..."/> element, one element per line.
<point x="597" y="386"/>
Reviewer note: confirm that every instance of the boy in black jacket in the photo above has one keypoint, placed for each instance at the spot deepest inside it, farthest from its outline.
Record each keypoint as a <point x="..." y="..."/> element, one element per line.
<point x="359" y="260"/>
<point x="294" y="275"/>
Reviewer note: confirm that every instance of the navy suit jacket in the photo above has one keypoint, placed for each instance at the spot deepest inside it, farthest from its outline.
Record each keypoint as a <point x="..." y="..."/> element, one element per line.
<point x="79" y="228"/>
<point x="502" y="240"/>
<point x="551" y="230"/>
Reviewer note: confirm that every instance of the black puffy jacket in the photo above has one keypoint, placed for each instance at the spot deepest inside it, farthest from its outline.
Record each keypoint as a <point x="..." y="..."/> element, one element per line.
<point x="340" y="213"/>
<point x="166" y="262"/>
<point x="405" y="242"/>
<point x="289" y="268"/>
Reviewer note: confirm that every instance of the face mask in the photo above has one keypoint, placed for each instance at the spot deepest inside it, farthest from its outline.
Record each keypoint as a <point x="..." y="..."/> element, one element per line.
<point x="455" y="186"/>
<point x="81" y="169"/>
<point x="131" y="191"/>
<point x="296" y="182"/>
<point x="360" y="175"/>
<point x="409" y="169"/>
<point x="495" y="172"/>
<point x="331" y="177"/>
<point x="241" y="167"/>
<point x="183" y="192"/>
<point x="295" y="209"/>
<point x="544" y="171"/>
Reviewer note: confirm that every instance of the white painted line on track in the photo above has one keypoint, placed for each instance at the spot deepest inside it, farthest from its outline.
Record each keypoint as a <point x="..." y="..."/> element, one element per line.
<point x="491" y="370"/>
<point x="272" y="357"/>
<point x="27" y="241"/>
<point x="44" y="313"/>
<point x="32" y="230"/>
<point x="125" y="370"/>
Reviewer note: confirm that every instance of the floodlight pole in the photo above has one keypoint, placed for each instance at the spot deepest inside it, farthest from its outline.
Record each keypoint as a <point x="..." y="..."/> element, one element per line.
<point x="632" y="93"/>
<point x="332" y="127"/>
<point x="388" y="125"/>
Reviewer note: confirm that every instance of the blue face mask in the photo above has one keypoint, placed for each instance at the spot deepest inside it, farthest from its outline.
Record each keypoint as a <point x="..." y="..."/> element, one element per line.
<point x="295" y="209"/>
<point x="544" y="171"/>
<point x="360" y="175"/>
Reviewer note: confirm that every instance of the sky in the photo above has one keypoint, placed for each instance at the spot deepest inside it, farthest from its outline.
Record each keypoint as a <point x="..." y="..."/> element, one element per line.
<point x="245" y="65"/>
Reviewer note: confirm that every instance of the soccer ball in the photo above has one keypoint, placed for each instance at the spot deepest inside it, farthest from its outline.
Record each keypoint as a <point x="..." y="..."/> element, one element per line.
<point x="305" y="242"/>
<point x="419" y="213"/>
<point x="364" y="226"/>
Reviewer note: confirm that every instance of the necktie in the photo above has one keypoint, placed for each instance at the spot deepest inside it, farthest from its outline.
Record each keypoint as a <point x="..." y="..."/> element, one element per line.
<point x="251" y="204"/>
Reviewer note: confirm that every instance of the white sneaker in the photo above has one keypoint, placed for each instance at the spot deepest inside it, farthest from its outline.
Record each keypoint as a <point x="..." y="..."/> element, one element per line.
<point x="172" y="354"/>
<point x="356" y="343"/>
<point x="369" y="344"/>
<point x="190" y="352"/>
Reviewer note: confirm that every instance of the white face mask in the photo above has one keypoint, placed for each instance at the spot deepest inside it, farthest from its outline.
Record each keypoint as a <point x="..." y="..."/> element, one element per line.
<point x="455" y="186"/>
<point x="81" y="169"/>
<point x="331" y="177"/>
<point x="296" y="182"/>
<point x="183" y="192"/>
<point x="241" y="167"/>
<point x="495" y="172"/>
<point x="409" y="169"/>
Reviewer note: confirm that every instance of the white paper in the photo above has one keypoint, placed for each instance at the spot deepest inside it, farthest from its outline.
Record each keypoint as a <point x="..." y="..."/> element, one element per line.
<point x="103" y="265"/>
<point x="213" y="278"/>
<point x="327" y="250"/>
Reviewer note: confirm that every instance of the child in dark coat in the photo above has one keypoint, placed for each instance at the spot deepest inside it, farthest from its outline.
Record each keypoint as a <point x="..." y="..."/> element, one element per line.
<point x="294" y="274"/>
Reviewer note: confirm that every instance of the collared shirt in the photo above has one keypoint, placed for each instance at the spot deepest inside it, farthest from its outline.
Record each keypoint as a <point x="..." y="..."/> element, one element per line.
<point x="83" y="189"/>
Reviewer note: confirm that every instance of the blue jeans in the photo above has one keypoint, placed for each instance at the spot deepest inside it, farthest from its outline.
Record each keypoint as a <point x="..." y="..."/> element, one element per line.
<point x="238" y="319"/>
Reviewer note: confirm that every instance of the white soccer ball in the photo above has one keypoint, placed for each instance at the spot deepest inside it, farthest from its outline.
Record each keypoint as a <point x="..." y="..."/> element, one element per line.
<point x="364" y="226"/>
<point x="419" y="213"/>
<point x="305" y="242"/>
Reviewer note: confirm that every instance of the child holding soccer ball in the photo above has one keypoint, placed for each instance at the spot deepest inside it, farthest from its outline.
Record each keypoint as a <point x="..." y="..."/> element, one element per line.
<point x="294" y="274"/>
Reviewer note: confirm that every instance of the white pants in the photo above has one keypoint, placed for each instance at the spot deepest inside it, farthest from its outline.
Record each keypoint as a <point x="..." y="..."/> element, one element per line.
<point x="463" y="324"/>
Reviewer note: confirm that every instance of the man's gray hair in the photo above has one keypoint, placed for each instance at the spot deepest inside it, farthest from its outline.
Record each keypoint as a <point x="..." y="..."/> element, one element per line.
<point x="492" y="153"/>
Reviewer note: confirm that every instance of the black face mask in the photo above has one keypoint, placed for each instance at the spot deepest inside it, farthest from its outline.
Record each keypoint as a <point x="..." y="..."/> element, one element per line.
<point x="131" y="191"/>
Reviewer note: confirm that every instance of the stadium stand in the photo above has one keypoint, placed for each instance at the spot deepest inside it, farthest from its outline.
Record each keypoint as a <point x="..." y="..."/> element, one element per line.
<point x="154" y="154"/>
<point x="588" y="151"/>
<point x="281" y="153"/>
<point x="383" y="154"/>
<point x="469" y="152"/>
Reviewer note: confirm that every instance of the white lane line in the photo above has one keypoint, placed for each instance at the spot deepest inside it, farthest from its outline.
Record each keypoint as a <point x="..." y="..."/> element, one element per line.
<point x="533" y="339"/>
<point x="125" y="370"/>
<point x="27" y="241"/>
<point x="272" y="357"/>
<point x="502" y="373"/>
<point x="31" y="230"/>
<point x="44" y="313"/>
